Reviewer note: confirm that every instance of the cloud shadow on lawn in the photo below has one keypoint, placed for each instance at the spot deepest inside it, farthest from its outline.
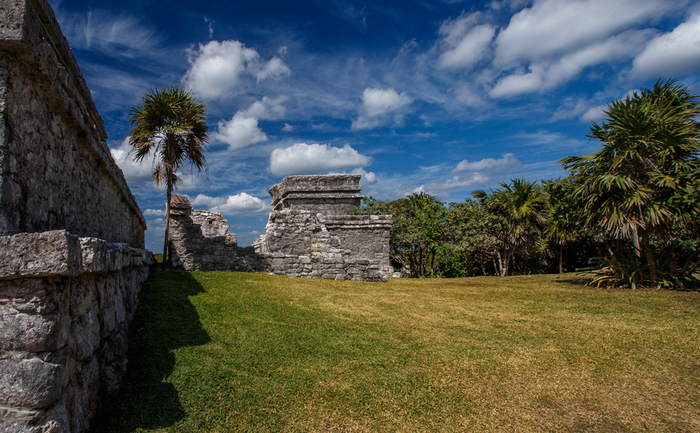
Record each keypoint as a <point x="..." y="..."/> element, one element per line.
<point x="164" y="321"/>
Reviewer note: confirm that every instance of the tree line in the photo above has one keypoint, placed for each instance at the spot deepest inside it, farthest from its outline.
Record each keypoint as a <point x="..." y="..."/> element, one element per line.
<point x="627" y="213"/>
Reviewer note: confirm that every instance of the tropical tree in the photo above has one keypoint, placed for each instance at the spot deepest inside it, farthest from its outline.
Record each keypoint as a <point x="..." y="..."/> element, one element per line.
<point x="563" y="226"/>
<point x="473" y="232"/>
<point x="417" y="232"/>
<point x="636" y="186"/>
<point x="170" y="126"/>
<point x="522" y="208"/>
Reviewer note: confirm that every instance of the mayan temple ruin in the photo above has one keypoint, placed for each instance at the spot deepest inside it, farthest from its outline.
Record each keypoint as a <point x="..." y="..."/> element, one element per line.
<point x="309" y="234"/>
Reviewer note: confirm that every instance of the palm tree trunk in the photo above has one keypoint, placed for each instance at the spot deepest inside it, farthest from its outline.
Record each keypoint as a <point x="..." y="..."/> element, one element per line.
<point x="507" y="263"/>
<point x="500" y="263"/>
<point x="649" y="253"/>
<point x="561" y="258"/>
<point x="527" y="262"/>
<point x="420" y="260"/>
<point x="635" y="241"/>
<point x="166" y="244"/>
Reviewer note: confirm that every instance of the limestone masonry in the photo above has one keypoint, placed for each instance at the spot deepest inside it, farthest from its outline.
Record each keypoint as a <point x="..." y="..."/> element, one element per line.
<point x="199" y="241"/>
<point x="309" y="234"/>
<point x="71" y="234"/>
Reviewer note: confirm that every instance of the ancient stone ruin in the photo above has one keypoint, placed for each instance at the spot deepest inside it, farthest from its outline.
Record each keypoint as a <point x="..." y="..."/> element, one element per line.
<point x="309" y="234"/>
<point x="71" y="234"/>
<point x="199" y="241"/>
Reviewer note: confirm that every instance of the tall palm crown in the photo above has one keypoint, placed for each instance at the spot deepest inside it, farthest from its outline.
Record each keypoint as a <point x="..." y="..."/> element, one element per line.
<point x="650" y="144"/>
<point x="650" y="153"/>
<point x="171" y="125"/>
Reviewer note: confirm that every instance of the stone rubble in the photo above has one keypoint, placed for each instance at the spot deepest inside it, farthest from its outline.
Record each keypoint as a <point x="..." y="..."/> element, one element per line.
<point x="199" y="241"/>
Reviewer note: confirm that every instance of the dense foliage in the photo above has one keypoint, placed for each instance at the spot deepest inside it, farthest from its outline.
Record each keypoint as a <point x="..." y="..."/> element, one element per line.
<point x="503" y="232"/>
<point x="628" y="213"/>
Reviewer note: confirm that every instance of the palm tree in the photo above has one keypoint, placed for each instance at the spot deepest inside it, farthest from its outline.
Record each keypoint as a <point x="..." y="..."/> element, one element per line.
<point x="522" y="208"/>
<point x="171" y="125"/>
<point x="563" y="222"/>
<point x="650" y="152"/>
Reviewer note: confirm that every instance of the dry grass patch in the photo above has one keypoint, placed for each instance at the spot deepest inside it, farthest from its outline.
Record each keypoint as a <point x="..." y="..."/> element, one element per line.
<point x="251" y="352"/>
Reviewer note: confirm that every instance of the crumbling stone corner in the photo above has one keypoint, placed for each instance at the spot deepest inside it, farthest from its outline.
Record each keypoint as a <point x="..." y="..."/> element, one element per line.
<point x="199" y="241"/>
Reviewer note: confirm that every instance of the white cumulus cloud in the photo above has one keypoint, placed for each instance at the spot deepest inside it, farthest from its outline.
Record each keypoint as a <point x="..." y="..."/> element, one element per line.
<point x="552" y="28"/>
<point x="671" y="54"/>
<point x="239" y="132"/>
<point x="378" y="102"/>
<point x="464" y="43"/>
<point x="275" y="68"/>
<point x="546" y="75"/>
<point x="302" y="158"/>
<point x="551" y="42"/>
<point x="506" y="163"/>
<point x="241" y="204"/>
<point x="267" y="108"/>
<point x="218" y="69"/>
<point x="134" y="172"/>
<point x="243" y="130"/>
<point x="368" y="177"/>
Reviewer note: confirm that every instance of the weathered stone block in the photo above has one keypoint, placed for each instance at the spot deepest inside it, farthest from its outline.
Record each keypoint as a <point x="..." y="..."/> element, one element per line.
<point x="304" y="259"/>
<point x="85" y="332"/>
<point x="49" y="253"/>
<point x="31" y="381"/>
<point x="31" y="332"/>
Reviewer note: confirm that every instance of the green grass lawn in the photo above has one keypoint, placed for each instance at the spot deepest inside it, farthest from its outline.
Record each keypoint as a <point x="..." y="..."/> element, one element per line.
<point x="230" y="352"/>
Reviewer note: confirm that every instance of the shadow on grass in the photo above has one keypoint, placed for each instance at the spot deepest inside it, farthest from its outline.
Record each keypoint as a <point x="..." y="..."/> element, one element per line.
<point x="572" y="279"/>
<point x="165" y="320"/>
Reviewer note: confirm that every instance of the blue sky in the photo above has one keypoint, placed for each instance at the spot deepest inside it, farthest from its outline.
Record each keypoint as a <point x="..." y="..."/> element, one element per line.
<point x="416" y="95"/>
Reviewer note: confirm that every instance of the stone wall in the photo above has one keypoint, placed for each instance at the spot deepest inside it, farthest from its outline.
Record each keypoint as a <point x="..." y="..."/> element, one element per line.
<point x="56" y="170"/>
<point x="199" y="241"/>
<point x="339" y="247"/>
<point x="65" y="303"/>
<point x="71" y="234"/>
